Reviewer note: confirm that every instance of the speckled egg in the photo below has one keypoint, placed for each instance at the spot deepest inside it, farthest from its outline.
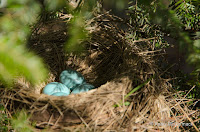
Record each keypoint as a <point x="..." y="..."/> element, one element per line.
<point x="71" y="78"/>
<point x="56" y="89"/>
<point x="82" y="88"/>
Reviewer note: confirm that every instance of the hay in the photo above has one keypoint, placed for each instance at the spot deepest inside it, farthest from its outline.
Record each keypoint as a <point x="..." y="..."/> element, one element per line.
<point x="115" y="66"/>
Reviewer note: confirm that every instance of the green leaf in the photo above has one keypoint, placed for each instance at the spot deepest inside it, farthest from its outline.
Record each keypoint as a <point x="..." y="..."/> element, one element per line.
<point x="53" y="5"/>
<point x="15" y="60"/>
<point x="77" y="34"/>
<point x="138" y="87"/>
<point x="21" y="122"/>
<point x="132" y="91"/>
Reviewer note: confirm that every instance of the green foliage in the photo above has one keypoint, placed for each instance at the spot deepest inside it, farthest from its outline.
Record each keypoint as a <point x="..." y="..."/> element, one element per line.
<point x="185" y="83"/>
<point x="87" y="7"/>
<point x="132" y="91"/>
<point x="20" y="122"/>
<point x="139" y="19"/>
<point x="155" y="19"/>
<point x="156" y="16"/>
<point x="142" y="26"/>
<point x="77" y="32"/>
<point x="55" y="5"/>
<point x="4" y="120"/>
<point x="15" y="60"/>
<point x="119" y="4"/>
<point x="188" y="12"/>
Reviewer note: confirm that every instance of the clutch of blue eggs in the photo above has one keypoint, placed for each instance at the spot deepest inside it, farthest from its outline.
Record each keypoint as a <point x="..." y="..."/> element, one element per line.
<point x="70" y="82"/>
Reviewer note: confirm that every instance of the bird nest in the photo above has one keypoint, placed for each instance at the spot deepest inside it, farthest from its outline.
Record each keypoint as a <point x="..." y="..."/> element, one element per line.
<point x="130" y="93"/>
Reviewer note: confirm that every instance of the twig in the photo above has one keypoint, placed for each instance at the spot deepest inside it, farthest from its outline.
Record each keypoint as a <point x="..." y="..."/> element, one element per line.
<point x="82" y="120"/>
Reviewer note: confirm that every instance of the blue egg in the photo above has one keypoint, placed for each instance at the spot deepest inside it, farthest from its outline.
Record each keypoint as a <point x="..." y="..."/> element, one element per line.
<point x="56" y="88"/>
<point x="71" y="78"/>
<point x="60" y="94"/>
<point x="82" y="88"/>
<point x="87" y="85"/>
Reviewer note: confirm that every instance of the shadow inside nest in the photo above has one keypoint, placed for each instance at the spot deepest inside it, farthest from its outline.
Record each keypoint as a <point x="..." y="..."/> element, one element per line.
<point x="107" y="54"/>
<point x="47" y="40"/>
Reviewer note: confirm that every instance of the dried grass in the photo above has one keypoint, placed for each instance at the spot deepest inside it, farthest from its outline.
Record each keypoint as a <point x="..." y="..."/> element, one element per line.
<point x="115" y="66"/>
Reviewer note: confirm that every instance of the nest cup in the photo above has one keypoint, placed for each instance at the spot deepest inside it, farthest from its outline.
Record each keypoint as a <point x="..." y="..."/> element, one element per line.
<point x="113" y="64"/>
